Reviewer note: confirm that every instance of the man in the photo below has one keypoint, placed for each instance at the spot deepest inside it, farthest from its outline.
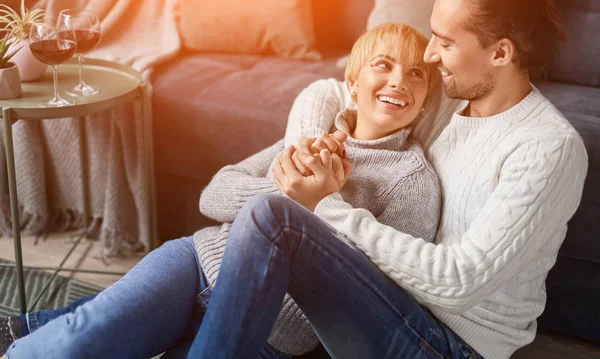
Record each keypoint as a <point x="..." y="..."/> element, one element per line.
<point x="512" y="171"/>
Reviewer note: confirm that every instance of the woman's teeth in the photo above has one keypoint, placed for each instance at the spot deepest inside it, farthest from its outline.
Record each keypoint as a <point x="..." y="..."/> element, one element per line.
<point x="391" y="100"/>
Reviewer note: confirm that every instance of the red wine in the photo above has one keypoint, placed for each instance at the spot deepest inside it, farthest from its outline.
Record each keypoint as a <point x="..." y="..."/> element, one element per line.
<point x="53" y="52"/>
<point x="86" y="40"/>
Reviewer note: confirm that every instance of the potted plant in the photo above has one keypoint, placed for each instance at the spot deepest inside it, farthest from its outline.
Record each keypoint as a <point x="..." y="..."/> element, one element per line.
<point x="14" y="47"/>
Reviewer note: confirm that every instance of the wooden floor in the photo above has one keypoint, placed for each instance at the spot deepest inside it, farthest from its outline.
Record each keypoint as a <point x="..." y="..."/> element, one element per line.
<point x="50" y="252"/>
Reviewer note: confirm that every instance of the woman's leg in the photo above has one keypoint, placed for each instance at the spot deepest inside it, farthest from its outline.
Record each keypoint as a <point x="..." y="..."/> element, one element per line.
<point x="139" y="316"/>
<point x="35" y="320"/>
<point x="276" y="246"/>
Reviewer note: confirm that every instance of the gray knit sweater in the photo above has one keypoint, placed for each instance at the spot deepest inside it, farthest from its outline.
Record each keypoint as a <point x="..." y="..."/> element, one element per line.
<point x="390" y="178"/>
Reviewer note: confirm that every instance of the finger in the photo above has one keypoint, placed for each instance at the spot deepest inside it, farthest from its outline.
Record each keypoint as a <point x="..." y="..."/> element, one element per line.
<point x="291" y="172"/>
<point x="338" y="169"/>
<point x="325" y="157"/>
<point x="299" y="165"/>
<point x="305" y="144"/>
<point x="340" y="135"/>
<point x="313" y="164"/>
<point x="318" y="145"/>
<point x="332" y="144"/>
<point x="278" y="175"/>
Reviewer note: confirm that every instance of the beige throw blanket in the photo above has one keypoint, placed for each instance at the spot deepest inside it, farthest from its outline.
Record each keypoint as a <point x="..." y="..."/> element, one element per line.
<point x="140" y="33"/>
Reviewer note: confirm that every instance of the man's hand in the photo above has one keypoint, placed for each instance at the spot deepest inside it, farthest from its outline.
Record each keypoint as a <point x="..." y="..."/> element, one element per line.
<point x="330" y="172"/>
<point x="334" y="143"/>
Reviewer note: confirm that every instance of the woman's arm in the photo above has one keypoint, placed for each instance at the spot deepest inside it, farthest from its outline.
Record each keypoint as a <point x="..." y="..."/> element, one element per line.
<point x="414" y="204"/>
<point x="233" y="185"/>
<point x="538" y="191"/>
<point x="315" y="108"/>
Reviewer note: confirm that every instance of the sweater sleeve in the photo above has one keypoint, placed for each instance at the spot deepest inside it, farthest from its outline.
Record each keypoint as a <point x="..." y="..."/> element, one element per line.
<point x="539" y="188"/>
<point x="413" y="205"/>
<point x="313" y="111"/>
<point x="234" y="185"/>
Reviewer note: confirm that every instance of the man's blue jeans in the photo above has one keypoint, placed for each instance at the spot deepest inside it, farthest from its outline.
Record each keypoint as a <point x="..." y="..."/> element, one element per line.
<point x="157" y="306"/>
<point x="276" y="246"/>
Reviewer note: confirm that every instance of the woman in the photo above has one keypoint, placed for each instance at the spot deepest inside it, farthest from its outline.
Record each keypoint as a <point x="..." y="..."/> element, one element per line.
<point x="390" y="178"/>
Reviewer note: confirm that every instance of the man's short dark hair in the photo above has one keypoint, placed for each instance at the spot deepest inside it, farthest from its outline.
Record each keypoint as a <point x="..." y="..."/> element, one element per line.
<point x="525" y="22"/>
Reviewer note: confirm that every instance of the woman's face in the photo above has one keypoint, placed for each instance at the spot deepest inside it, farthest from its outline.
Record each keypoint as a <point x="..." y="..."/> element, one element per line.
<point x="389" y="93"/>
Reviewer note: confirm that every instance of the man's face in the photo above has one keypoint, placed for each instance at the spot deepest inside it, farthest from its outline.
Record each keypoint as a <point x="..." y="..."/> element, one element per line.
<point x="465" y="65"/>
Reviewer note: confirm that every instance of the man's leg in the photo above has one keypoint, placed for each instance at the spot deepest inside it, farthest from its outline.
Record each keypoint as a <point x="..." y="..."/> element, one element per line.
<point x="139" y="316"/>
<point x="276" y="246"/>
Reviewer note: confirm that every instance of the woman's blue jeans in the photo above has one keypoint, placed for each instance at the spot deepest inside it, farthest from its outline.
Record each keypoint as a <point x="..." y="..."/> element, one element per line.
<point x="276" y="246"/>
<point x="157" y="306"/>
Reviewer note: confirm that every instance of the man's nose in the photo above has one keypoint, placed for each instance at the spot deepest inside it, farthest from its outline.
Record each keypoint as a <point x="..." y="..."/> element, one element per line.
<point x="431" y="55"/>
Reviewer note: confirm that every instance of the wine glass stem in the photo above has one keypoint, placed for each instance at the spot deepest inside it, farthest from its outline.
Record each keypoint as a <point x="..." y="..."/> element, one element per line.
<point x="80" y="56"/>
<point x="55" y="74"/>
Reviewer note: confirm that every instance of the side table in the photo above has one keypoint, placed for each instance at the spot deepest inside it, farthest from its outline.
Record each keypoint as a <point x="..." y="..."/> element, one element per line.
<point x="119" y="84"/>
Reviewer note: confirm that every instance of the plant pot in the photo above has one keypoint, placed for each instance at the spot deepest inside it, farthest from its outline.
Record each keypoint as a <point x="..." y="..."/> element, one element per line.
<point x="30" y="68"/>
<point x="10" y="82"/>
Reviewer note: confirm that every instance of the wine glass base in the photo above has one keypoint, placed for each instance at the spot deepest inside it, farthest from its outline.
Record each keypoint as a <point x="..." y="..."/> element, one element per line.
<point x="57" y="102"/>
<point x="83" y="90"/>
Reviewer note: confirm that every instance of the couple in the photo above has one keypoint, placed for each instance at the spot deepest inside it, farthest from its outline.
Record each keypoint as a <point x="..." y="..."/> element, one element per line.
<point x="511" y="169"/>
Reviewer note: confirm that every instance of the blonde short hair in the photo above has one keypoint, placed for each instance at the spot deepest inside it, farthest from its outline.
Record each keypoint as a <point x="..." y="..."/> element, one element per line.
<point x="411" y="46"/>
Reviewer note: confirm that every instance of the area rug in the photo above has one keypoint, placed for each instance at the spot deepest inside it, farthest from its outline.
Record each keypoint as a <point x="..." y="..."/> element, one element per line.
<point x="61" y="292"/>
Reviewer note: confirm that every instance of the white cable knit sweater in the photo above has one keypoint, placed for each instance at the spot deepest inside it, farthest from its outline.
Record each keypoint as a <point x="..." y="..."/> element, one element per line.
<point x="510" y="183"/>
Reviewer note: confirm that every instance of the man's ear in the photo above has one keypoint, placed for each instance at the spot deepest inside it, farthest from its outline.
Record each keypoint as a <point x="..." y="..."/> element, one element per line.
<point x="504" y="52"/>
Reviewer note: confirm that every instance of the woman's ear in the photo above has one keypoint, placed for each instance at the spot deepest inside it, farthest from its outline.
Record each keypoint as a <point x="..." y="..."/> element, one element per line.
<point x="354" y="89"/>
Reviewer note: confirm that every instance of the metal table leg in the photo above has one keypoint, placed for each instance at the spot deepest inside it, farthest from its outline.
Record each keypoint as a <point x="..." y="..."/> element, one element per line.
<point x="84" y="175"/>
<point x="14" y="204"/>
<point x="150" y="189"/>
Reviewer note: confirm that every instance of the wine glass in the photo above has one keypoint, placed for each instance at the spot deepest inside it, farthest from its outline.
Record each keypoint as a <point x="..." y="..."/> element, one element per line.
<point x="52" y="45"/>
<point x="87" y="34"/>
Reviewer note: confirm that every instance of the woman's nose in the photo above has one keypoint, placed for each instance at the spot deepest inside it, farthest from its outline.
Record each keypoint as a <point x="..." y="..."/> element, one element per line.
<point x="397" y="79"/>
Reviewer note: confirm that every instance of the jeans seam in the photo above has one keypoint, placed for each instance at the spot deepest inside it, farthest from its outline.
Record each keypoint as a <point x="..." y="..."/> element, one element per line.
<point x="359" y="277"/>
<point x="430" y="350"/>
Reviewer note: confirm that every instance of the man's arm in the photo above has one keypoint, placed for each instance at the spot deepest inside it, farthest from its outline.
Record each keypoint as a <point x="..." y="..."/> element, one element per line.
<point x="538" y="191"/>
<point x="315" y="108"/>
<point x="233" y="185"/>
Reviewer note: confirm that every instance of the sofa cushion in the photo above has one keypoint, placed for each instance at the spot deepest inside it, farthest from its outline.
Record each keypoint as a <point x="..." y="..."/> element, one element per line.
<point x="413" y="13"/>
<point x="338" y="23"/>
<point x="581" y="107"/>
<point x="283" y="28"/>
<point x="575" y="60"/>
<point x="214" y="110"/>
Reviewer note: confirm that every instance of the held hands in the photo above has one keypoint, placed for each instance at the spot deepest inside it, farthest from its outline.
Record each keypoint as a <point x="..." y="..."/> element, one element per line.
<point x="323" y="163"/>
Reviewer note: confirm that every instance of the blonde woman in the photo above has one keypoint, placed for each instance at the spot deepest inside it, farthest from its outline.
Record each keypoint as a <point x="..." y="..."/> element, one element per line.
<point x="159" y="305"/>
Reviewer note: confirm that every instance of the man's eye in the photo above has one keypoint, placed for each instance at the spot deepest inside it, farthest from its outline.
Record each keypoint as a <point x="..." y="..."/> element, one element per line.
<point x="445" y="46"/>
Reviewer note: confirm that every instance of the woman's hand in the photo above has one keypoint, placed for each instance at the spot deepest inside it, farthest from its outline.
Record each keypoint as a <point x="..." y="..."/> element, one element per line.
<point x="330" y="172"/>
<point x="334" y="143"/>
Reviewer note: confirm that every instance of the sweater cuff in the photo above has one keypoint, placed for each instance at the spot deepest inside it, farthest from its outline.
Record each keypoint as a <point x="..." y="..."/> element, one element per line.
<point x="328" y="205"/>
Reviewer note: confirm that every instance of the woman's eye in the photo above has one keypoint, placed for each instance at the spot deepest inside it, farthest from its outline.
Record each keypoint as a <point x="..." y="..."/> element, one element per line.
<point x="417" y="73"/>
<point x="382" y="64"/>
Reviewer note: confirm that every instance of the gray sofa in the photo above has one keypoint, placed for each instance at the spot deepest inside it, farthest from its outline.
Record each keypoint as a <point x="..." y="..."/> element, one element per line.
<point x="211" y="110"/>
<point x="571" y="80"/>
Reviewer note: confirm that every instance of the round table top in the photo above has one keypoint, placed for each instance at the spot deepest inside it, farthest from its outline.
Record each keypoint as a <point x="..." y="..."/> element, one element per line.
<point x="118" y="84"/>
